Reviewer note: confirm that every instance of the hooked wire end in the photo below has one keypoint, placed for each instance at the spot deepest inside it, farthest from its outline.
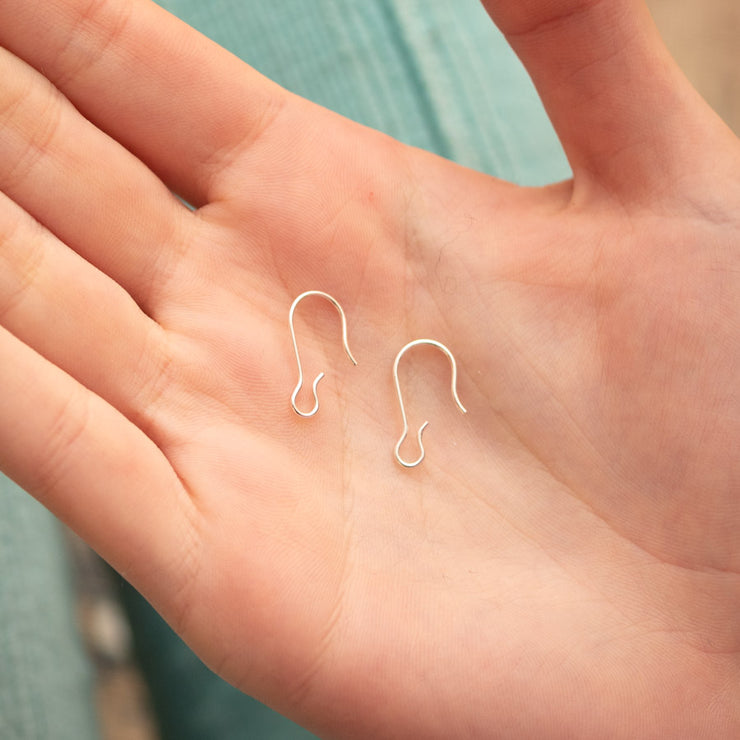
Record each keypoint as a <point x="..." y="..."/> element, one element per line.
<point x="345" y="343"/>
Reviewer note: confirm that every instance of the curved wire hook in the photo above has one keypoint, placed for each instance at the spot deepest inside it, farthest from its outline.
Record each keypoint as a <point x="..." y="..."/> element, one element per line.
<point x="336" y="305"/>
<point x="453" y="386"/>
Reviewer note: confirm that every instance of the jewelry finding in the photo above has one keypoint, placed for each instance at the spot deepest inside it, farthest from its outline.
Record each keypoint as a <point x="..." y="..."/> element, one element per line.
<point x="336" y="305"/>
<point x="462" y="408"/>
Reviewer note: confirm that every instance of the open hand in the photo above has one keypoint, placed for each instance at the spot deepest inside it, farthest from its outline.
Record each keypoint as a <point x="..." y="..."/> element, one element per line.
<point x="564" y="563"/>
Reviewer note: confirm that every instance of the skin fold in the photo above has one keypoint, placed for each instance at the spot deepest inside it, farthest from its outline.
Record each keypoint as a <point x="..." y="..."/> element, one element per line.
<point x="564" y="563"/>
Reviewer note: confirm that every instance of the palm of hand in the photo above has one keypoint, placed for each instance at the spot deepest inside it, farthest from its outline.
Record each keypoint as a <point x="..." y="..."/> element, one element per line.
<point x="551" y="526"/>
<point x="572" y="534"/>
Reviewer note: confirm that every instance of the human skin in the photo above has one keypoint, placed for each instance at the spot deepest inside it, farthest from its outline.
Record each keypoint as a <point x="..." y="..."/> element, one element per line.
<point x="564" y="563"/>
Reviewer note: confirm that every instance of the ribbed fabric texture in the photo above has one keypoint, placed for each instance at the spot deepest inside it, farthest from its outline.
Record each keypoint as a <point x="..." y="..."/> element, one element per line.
<point x="45" y="682"/>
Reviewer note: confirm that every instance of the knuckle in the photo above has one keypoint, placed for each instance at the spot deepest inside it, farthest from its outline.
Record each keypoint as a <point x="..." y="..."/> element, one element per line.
<point x="30" y="117"/>
<point x="66" y="430"/>
<point x="153" y="383"/>
<point x="95" y="27"/>
<point x="20" y="267"/>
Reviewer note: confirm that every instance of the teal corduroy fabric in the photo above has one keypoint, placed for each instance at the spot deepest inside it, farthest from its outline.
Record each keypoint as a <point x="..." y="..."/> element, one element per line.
<point x="45" y="681"/>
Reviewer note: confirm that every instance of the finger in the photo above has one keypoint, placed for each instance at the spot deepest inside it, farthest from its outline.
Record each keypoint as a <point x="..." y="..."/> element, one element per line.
<point x="176" y="100"/>
<point x="91" y="467"/>
<point x="78" y="318"/>
<point x="83" y="186"/>
<point x="619" y="104"/>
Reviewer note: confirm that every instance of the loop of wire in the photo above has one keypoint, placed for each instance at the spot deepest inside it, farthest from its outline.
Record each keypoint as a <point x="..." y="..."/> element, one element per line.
<point x="453" y="386"/>
<point x="336" y="305"/>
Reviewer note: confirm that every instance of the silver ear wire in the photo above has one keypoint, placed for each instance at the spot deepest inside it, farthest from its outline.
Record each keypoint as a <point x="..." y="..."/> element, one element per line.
<point x="462" y="408"/>
<point x="336" y="305"/>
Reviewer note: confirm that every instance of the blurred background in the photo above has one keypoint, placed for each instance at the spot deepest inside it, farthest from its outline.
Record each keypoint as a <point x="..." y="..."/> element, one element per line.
<point x="704" y="37"/>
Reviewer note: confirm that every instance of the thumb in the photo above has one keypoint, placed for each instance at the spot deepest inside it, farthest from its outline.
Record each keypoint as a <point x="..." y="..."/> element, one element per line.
<point x="625" y="114"/>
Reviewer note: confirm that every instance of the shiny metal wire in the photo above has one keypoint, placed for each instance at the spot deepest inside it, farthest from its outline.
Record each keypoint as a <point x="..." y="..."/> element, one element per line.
<point x="293" y="307"/>
<point x="453" y="386"/>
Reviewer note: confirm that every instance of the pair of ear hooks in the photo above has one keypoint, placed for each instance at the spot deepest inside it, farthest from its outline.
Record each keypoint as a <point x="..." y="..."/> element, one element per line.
<point x="432" y="342"/>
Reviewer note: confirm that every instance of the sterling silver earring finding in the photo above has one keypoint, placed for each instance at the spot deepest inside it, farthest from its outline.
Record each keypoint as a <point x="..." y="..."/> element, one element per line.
<point x="336" y="305"/>
<point x="462" y="408"/>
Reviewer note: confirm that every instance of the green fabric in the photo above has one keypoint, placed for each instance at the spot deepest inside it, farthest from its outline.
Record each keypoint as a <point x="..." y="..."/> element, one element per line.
<point x="45" y="682"/>
<point x="432" y="73"/>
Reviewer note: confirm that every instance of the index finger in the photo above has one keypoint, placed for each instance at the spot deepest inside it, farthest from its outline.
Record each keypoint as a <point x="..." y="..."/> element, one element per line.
<point x="179" y="102"/>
